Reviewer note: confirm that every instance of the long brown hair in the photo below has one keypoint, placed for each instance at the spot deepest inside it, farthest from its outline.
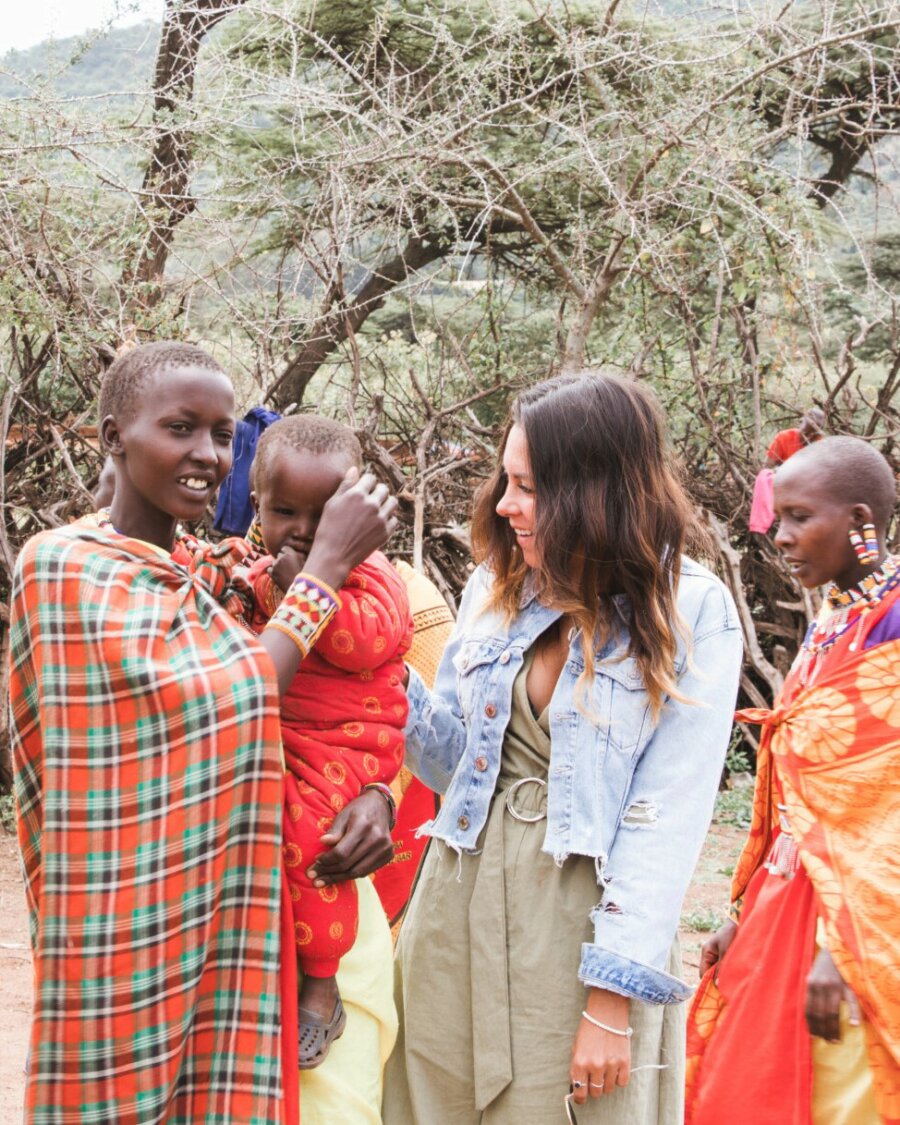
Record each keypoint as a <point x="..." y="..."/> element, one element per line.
<point x="611" y="516"/>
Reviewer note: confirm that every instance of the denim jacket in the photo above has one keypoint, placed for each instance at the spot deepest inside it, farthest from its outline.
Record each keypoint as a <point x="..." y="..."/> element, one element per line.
<point x="635" y="796"/>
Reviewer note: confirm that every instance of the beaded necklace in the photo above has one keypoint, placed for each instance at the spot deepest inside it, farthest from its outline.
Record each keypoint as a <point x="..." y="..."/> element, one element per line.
<point x="861" y="591"/>
<point x="837" y="617"/>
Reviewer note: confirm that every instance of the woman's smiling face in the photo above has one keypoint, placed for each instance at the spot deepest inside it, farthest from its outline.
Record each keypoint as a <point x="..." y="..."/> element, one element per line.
<point x="517" y="503"/>
<point x="174" y="450"/>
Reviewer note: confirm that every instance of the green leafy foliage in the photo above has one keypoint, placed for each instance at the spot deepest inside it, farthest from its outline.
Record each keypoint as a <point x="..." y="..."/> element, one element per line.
<point x="735" y="806"/>
<point x="702" y="921"/>
<point x="8" y="813"/>
<point x="400" y="212"/>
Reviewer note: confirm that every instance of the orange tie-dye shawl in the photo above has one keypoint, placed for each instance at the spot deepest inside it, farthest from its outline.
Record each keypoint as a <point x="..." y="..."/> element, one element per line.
<point x="835" y="747"/>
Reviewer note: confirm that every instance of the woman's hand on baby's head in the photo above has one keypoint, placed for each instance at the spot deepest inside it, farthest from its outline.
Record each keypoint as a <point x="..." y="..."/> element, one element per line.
<point x="357" y="520"/>
<point x="286" y="566"/>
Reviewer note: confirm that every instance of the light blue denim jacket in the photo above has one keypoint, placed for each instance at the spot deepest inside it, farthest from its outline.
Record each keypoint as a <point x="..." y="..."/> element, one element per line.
<point x="638" y="798"/>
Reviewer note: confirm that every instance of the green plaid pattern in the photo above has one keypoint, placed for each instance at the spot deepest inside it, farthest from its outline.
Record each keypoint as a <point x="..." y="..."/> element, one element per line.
<point x="148" y="781"/>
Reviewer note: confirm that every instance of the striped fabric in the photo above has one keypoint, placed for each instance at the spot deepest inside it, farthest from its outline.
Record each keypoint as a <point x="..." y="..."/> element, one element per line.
<point x="148" y="781"/>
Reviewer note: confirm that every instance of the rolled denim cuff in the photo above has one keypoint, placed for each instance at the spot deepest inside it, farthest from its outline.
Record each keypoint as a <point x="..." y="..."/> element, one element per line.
<point x="602" y="969"/>
<point x="305" y="611"/>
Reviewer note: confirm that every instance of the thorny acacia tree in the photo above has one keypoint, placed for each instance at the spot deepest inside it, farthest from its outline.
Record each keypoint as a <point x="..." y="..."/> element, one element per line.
<point x="665" y="210"/>
<point x="405" y="210"/>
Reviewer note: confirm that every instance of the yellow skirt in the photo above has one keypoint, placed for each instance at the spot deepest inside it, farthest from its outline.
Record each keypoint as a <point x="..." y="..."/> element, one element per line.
<point x="346" y="1088"/>
<point x="842" y="1081"/>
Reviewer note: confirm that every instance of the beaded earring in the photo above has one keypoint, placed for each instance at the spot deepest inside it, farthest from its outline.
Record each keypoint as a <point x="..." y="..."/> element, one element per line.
<point x="871" y="540"/>
<point x="866" y="548"/>
<point x="856" y="542"/>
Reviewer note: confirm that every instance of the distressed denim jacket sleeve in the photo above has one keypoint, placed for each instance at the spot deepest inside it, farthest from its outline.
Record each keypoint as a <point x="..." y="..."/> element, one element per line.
<point x="435" y="729"/>
<point x="665" y="819"/>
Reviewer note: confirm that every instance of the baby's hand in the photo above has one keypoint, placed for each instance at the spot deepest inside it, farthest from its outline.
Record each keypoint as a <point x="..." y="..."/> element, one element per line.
<point x="286" y="567"/>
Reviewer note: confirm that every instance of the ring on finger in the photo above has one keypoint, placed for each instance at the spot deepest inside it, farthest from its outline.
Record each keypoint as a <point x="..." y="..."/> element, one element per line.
<point x="596" y="1085"/>
<point x="576" y="1085"/>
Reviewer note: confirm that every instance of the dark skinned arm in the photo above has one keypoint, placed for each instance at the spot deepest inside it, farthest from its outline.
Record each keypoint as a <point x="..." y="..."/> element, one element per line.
<point x="825" y="989"/>
<point x="359" y="841"/>
<point x="714" y="948"/>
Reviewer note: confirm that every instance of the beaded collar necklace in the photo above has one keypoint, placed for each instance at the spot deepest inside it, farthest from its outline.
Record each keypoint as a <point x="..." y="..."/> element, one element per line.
<point x="833" y="621"/>
<point x="862" y="590"/>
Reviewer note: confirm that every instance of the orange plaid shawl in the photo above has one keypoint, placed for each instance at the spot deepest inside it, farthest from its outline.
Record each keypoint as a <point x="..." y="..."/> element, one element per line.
<point x="836" y="749"/>
<point x="148" y="781"/>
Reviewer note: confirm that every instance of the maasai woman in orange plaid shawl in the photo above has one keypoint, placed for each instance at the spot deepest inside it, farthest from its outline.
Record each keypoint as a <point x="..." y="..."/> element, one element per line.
<point x="771" y="1031"/>
<point x="148" y="774"/>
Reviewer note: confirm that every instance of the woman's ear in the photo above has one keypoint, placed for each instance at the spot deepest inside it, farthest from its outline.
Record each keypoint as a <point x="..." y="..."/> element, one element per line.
<point x="861" y="514"/>
<point x="110" y="436"/>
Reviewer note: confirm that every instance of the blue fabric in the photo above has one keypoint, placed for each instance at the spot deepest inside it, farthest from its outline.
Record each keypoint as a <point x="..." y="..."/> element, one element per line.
<point x="634" y="795"/>
<point x="234" y="512"/>
<point x="887" y="629"/>
<point x="602" y="968"/>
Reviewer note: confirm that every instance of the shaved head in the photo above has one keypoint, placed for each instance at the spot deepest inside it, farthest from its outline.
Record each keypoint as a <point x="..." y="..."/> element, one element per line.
<point x="848" y="470"/>
<point x="813" y="422"/>
<point x="306" y="433"/>
<point x="129" y="374"/>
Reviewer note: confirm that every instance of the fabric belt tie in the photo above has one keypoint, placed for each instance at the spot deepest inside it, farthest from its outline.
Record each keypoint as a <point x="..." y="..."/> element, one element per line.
<point x="492" y="1045"/>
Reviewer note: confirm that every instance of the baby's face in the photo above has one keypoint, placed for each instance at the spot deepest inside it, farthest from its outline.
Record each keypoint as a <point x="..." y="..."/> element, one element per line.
<point x="290" y="502"/>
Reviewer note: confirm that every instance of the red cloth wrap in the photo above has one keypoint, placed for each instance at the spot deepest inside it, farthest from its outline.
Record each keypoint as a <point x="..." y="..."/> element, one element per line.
<point x="342" y="728"/>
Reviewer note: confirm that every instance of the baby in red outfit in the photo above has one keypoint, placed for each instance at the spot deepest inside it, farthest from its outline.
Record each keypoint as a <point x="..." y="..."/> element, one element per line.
<point x="343" y="716"/>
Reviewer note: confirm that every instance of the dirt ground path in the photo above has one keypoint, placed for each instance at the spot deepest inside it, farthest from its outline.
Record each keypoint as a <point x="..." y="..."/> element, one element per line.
<point x="15" y="983"/>
<point x="704" y="906"/>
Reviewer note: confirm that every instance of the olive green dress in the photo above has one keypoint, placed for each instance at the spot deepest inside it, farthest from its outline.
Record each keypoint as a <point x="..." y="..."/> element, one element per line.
<point x="486" y="975"/>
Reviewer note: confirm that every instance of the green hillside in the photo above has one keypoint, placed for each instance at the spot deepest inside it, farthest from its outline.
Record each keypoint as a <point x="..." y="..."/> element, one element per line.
<point x="116" y="64"/>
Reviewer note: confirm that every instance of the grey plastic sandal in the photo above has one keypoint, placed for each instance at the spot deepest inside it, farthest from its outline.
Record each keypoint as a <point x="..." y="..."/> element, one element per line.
<point x="317" y="1035"/>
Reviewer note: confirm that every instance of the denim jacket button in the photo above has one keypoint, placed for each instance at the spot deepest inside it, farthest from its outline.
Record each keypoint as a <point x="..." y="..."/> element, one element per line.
<point x="490" y="710"/>
<point x="463" y="823"/>
<point x="504" y="657"/>
<point x="481" y="764"/>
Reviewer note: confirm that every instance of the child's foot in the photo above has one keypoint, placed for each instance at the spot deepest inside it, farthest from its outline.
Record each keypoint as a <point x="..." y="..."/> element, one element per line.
<point x="322" y="1019"/>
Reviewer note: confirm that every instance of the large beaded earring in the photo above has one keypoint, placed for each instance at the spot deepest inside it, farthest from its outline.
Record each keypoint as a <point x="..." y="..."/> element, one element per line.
<point x="871" y="541"/>
<point x="856" y="542"/>
<point x="866" y="549"/>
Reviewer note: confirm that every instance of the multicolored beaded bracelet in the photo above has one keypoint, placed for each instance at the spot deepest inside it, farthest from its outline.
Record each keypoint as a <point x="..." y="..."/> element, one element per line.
<point x="305" y="610"/>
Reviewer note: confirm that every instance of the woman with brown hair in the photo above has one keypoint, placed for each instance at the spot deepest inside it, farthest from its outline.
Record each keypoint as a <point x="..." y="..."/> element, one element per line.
<point x="577" y="727"/>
